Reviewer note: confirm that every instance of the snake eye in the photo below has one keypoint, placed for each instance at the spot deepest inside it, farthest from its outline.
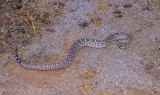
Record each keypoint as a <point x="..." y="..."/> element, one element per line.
<point x="122" y="46"/>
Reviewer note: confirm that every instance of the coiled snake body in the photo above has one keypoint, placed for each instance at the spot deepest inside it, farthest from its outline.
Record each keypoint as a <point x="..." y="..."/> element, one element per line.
<point x="121" y="38"/>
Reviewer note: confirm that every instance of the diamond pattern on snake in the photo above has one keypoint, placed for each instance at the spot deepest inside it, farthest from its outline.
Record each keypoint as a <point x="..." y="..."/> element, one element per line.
<point x="120" y="37"/>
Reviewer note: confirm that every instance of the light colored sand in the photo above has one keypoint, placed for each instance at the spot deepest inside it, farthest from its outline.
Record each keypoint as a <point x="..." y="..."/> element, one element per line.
<point x="117" y="72"/>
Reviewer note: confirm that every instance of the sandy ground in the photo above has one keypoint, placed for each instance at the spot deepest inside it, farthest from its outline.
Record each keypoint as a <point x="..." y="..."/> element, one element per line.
<point x="106" y="71"/>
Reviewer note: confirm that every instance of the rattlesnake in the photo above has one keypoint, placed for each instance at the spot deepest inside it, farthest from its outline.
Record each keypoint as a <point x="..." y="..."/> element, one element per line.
<point x="120" y="37"/>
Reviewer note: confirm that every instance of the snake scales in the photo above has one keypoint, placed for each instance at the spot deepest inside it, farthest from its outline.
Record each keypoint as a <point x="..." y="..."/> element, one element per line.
<point x="121" y="38"/>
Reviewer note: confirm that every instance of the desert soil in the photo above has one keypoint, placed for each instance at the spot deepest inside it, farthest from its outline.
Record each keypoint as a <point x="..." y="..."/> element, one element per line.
<point x="105" y="71"/>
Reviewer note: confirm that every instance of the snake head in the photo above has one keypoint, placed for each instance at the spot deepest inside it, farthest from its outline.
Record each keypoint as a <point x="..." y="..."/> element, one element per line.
<point x="122" y="46"/>
<point x="123" y="40"/>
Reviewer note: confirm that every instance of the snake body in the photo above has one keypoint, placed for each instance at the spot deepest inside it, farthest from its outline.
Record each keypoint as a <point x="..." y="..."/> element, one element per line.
<point x="120" y="37"/>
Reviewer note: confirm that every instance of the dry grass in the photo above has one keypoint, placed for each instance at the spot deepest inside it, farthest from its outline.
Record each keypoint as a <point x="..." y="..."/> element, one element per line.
<point x="95" y="19"/>
<point x="153" y="67"/>
<point x="21" y="20"/>
<point x="102" y="6"/>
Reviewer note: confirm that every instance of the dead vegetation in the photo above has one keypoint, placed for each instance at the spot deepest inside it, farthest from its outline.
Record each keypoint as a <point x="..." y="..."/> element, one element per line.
<point x="102" y="6"/>
<point x="83" y="24"/>
<point x="151" y="4"/>
<point x="156" y="62"/>
<point x="89" y="81"/>
<point x="21" y="20"/>
<point x="153" y="68"/>
<point x="95" y="19"/>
